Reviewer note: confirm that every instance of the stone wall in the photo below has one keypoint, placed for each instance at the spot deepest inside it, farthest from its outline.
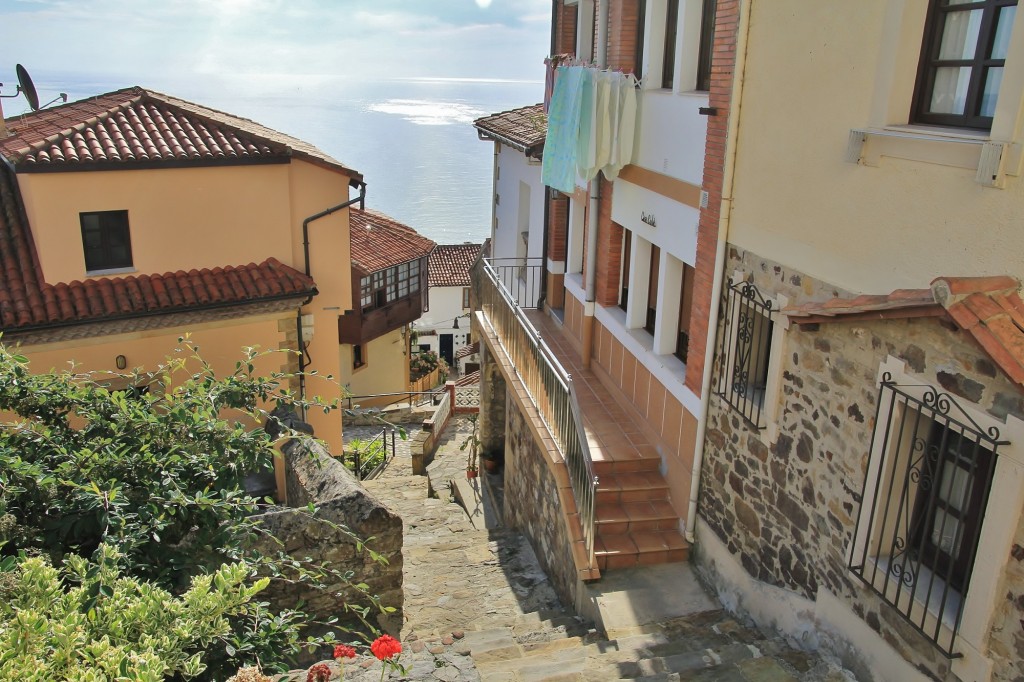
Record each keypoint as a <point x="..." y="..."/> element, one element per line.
<point x="313" y="476"/>
<point x="533" y="504"/>
<point x="785" y="500"/>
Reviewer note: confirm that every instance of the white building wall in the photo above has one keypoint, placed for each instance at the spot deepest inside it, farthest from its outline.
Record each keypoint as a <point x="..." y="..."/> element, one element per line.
<point x="445" y="306"/>
<point x="515" y="171"/>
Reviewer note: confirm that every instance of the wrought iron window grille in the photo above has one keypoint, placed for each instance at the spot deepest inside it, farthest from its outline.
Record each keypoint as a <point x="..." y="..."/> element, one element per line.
<point x="923" y="503"/>
<point x="745" y="350"/>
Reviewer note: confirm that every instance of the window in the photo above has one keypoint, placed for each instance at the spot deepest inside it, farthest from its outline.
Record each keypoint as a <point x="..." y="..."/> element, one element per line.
<point x="106" y="240"/>
<point x="924" y="500"/>
<point x="745" y="351"/>
<point x="627" y="243"/>
<point x="962" y="57"/>
<point x="641" y="27"/>
<point x="358" y="358"/>
<point x="465" y="298"/>
<point x="707" y="41"/>
<point x="685" y="306"/>
<point x="384" y="287"/>
<point x="654" y="274"/>
<point x="668" y="65"/>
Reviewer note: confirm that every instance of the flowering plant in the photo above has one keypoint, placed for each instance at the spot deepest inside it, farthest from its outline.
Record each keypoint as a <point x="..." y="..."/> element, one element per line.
<point x="319" y="673"/>
<point x="385" y="648"/>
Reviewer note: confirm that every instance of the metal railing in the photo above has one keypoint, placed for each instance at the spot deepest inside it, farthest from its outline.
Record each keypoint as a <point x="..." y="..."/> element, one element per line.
<point x="371" y="456"/>
<point x="550" y="387"/>
<point x="413" y="398"/>
<point x="924" y="499"/>
<point x="520" y="277"/>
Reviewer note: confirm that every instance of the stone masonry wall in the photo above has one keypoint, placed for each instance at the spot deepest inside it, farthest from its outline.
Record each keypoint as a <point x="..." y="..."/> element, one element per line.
<point x="316" y="477"/>
<point x="787" y="509"/>
<point x="532" y="504"/>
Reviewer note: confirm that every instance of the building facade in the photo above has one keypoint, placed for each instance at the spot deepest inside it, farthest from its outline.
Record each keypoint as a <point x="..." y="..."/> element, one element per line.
<point x="863" y="484"/>
<point x="133" y="218"/>
<point x="445" y="328"/>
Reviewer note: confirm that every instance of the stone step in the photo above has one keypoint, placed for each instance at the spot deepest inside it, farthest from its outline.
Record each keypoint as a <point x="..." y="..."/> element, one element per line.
<point x="605" y="464"/>
<point x="612" y="518"/>
<point x="631" y="487"/>
<point x="689" y="662"/>
<point x="639" y="548"/>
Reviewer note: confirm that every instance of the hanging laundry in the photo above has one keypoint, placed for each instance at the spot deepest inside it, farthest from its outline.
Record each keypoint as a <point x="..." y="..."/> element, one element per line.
<point x="607" y="119"/>
<point x="626" y="129"/>
<point x="586" y="152"/>
<point x="551" y="65"/>
<point x="558" y="170"/>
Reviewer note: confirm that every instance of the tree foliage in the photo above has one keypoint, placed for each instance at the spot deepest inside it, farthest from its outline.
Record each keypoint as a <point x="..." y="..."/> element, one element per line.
<point x="151" y="468"/>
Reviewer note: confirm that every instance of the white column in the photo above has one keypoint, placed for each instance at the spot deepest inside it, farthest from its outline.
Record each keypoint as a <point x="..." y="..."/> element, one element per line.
<point x="666" y="325"/>
<point x="639" y="276"/>
<point x="575" y="236"/>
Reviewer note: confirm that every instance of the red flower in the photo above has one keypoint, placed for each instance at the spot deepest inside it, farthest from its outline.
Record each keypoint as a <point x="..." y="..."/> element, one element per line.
<point x="385" y="646"/>
<point x="342" y="651"/>
<point x="319" y="673"/>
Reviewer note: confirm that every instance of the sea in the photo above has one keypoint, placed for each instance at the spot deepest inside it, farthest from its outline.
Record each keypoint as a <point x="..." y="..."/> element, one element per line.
<point x="412" y="138"/>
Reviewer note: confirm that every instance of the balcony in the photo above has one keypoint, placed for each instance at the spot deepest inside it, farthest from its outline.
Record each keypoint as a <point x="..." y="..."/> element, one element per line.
<point x="621" y="498"/>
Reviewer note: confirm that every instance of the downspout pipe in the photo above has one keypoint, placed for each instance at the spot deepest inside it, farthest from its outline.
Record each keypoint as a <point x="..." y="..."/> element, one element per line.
<point x="304" y="358"/>
<point x="725" y="218"/>
<point x="590" y="276"/>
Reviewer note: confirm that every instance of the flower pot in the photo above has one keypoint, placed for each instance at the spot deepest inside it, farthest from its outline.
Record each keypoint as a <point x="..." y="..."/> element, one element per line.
<point x="491" y="466"/>
<point x="471" y="473"/>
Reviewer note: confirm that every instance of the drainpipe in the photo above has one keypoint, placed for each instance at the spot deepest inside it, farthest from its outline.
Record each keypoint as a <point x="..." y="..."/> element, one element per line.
<point x="590" y="279"/>
<point x="728" y="176"/>
<point x="304" y="358"/>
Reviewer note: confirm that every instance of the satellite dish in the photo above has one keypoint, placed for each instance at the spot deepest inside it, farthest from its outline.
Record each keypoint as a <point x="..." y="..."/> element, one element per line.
<point x="27" y="87"/>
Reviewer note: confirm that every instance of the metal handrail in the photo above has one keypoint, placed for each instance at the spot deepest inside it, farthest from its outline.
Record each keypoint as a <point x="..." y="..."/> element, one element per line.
<point x="415" y="398"/>
<point x="549" y="386"/>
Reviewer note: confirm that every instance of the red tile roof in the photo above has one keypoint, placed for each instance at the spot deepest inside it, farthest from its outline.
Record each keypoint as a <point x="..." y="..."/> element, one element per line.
<point x="989" y="308"/>
<point x="380" y="242"/>
<point x="138" y="126"/>
<point x="524" y="129"/>
<point x="450" y="264"/>
<point x="471" y="379"/>
<point x="466" y="351"/>
<point x="26" y="302"/>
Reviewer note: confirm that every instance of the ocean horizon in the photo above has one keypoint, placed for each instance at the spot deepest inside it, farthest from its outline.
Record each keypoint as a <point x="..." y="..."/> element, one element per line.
<point x="411" y="138"/>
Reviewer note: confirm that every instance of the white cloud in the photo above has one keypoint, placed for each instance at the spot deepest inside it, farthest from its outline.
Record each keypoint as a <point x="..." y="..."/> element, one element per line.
<point x="483" y="4"/>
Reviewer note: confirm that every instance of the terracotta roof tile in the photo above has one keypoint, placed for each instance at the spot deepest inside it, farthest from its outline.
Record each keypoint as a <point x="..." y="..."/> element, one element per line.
<point x="450" y="264"/>
<point x="466" y="351"/>
<point x="989" y="308"/>
<point x="471" y="379"/>
<point x="524" y="129"/>
<point x="380" y="242"/>
<point x="135" y="125"/>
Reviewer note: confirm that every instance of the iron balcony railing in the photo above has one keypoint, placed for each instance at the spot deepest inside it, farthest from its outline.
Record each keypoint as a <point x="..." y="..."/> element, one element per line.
<point x="550" y="387"/>
<point x="924" y="499"/>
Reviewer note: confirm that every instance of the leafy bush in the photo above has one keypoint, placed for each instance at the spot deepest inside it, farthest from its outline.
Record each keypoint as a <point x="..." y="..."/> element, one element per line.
<point x="89" y="622"/>
<point x="158" y="476"/>
<point x="371" y="453"/>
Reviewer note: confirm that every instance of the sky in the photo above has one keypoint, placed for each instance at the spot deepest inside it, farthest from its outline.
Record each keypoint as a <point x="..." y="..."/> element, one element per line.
<point x="271" y="43"/>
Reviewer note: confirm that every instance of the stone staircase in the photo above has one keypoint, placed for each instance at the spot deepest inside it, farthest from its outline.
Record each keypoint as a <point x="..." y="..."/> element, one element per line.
<point x="552" y="647"/>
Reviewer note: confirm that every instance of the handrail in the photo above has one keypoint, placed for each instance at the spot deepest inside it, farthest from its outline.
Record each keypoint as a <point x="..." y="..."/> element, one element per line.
<point x="424" y="397"/>
<point x="549" y="386"/>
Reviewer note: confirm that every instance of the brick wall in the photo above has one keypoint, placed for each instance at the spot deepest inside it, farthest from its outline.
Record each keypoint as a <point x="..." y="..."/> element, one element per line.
<point x="558" y="225"/>
<point x="722" y="66"/>
<point x="565" y="29"/>
<point x="609" y="250"/>
<point x="623" y="23"/>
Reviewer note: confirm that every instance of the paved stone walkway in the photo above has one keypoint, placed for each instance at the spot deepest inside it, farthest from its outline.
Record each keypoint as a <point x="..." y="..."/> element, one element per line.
<point x="479" y="607"/>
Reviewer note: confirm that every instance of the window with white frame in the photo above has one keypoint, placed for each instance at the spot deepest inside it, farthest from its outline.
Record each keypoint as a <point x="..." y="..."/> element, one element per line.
<point x="745" y="351"/>
<point x="931" y="477"/>
<point x="962" y="60"/>
<point x="384" y="287"/>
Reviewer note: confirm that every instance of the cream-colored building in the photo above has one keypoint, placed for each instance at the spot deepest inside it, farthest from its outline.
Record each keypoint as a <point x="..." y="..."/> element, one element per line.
<point x="863" y="467"/>
<point x="132" y="218"/>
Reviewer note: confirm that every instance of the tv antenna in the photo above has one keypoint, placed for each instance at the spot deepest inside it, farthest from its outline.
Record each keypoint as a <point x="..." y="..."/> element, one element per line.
<point x="28" y="88"/>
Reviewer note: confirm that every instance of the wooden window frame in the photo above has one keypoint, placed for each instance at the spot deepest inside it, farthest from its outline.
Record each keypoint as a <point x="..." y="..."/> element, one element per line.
<point x="110" y="226"/>
<point x="979" y="64"/>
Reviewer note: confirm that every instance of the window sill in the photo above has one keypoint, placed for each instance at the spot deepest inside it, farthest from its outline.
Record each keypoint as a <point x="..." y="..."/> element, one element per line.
<point x="973" y="150"/>
<point x="110" y="271"/>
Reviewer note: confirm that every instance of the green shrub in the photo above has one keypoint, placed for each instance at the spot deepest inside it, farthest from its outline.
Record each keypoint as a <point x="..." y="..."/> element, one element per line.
<point x="88" y="621"/>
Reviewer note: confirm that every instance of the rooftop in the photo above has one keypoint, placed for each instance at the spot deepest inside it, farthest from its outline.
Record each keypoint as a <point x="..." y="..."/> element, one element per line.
<point x="142" y="128"/>
<point x="380" y="242"/>
<point x="989" y="308"/>
<point x="450" y="264"/>
<point x="524" y="129"/>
